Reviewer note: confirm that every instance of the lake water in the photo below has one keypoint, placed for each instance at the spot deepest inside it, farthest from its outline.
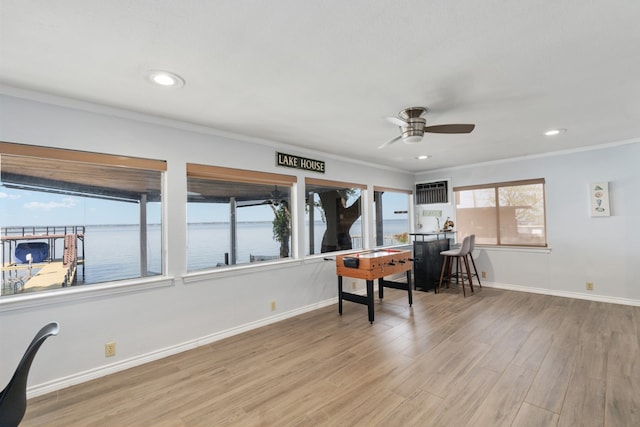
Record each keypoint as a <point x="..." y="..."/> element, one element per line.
<point x="111" y="252"/>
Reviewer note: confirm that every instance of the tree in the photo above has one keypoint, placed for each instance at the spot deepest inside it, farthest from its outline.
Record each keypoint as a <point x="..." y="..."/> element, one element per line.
<point x="528" y="199"/>
<point x="282" y="226"/>
<point x="339" y="218"/>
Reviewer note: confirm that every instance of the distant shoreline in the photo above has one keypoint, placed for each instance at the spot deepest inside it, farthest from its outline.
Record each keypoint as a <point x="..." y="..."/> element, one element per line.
<point x="157" y="224"/>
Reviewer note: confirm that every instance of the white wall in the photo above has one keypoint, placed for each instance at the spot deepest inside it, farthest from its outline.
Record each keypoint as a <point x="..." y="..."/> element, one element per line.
<point x="602" y="250"/>
<point x="176" y="312"/>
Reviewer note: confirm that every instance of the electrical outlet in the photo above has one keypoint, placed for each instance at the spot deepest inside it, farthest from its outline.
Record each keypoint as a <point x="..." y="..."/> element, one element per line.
<point x="484" y="274"/>
<point x="273" y="306"/>
<point x="589" y="286"/>
<point x="110" y="349"/>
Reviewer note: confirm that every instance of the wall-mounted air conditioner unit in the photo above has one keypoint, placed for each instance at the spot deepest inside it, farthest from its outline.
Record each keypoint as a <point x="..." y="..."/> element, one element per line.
<point x="428" y="193"/>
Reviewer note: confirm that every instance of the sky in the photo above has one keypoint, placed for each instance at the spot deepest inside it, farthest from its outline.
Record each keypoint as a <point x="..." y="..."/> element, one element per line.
<point x="34" y="208"/>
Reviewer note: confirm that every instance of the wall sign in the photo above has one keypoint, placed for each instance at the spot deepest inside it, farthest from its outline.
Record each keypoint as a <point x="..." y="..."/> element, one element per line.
<point x="599" y="193"/>
<point x="297" y="162"/>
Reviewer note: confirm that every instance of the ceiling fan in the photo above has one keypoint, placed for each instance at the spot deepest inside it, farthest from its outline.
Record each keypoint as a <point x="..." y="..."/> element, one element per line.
<point x="413" y="126"/>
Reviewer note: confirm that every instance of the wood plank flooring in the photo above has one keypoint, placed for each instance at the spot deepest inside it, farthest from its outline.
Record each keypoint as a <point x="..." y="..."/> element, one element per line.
<point x="496" y="358"/>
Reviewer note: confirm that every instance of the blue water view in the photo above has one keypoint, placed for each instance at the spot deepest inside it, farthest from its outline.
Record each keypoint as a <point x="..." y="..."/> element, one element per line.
<point x="112" y="252"/>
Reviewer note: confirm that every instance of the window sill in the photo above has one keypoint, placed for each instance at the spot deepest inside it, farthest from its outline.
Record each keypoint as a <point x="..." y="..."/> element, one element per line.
<point x="238" y="270"/>
<point x="85" y="292"/>
<point x="531" y="249"/>
<point x="399" y="246"/>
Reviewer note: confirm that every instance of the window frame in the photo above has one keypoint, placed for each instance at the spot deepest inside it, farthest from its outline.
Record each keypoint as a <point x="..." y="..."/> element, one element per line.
<point x="377" y="208"/>
<point x="243" y="176"/>
<point x="496" y="187"/>
<point x="310" y="181"/>
<point x="93" y="165"/>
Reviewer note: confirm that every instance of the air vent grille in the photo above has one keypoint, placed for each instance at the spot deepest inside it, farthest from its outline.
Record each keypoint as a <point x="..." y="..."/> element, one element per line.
<point x="432" y="192"/>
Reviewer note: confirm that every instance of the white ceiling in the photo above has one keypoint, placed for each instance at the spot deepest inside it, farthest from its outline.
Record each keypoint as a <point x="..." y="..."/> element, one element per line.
<point x="324" y="74"/>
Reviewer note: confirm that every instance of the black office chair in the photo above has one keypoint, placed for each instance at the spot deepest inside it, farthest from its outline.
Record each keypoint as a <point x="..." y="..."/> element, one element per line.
<point x="13" y="399"/>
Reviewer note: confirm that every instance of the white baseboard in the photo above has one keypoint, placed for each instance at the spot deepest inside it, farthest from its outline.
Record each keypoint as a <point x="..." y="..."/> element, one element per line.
<point x="566" y="294"/>
<point x="81" y="377"/>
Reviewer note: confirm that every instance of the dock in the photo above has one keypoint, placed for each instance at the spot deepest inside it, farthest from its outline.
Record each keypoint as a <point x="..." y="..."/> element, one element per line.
<point x="54" y="272"/>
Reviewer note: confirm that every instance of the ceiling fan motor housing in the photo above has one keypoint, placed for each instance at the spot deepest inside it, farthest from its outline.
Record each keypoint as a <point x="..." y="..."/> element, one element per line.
<point x="413" y="133"/>
<point x="412" y="113"/>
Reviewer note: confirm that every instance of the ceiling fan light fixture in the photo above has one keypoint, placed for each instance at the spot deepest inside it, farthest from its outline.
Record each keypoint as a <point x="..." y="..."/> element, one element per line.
<point x="412" y="139"/>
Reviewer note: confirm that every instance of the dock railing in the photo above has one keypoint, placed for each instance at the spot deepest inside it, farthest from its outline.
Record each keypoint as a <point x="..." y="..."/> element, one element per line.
<point x="44" y="231"/>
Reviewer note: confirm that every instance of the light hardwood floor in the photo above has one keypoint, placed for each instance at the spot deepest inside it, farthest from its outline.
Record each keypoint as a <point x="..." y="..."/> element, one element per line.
<point x="496" y="358"/>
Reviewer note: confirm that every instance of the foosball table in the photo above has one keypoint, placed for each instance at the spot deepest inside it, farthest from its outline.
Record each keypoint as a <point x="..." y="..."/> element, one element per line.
<point x="372" y="265"/>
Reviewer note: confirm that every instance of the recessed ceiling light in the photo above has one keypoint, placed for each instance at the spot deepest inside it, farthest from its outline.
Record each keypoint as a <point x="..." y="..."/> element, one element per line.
<point x="552" y="132"/>
<point x="423" y="157"/>
<point x="165" y="78"/>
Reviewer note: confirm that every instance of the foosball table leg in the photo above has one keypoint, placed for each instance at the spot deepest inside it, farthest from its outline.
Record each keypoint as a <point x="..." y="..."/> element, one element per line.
<point x="409" y="288"/>
<point x="340" y="295"/>
<point x="370" y="299"/>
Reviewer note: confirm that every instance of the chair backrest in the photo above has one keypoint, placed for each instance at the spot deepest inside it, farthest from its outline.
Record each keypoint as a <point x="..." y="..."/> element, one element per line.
<point x="472" y="244"/>
<point x="465" y="247"/>
<point x="13" y="399"/>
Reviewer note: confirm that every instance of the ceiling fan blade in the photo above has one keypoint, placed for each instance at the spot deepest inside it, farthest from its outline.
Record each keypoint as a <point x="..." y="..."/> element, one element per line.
<point x="390" y="142"/>
<point x="397" y="121"/>
<point x="457" y="128"/>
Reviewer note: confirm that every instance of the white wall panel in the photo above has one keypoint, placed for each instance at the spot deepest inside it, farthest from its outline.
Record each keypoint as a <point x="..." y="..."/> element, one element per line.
<point x="154" y="322"/>
<point x="602" y="250"/>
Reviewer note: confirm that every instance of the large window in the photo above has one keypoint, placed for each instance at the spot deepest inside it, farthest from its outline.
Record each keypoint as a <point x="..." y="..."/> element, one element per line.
<point x="237" y="216"/>
<point x="391" y="216"/>
<point x="333" y="216"/>
<point x="508" y="213"/>
<point x="77" y="218"/>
